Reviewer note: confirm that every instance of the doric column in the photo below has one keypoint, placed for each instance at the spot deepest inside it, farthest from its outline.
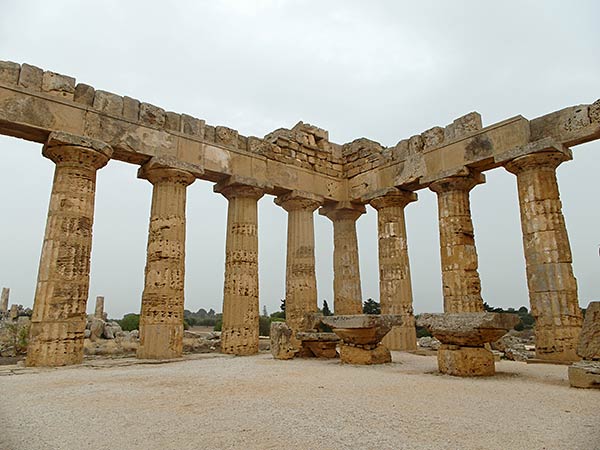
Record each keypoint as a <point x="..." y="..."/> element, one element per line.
<point x="460" y="278"/>
<point x="300" y="278"/>
<point x="4" y="300"/>
<point x="161" y="318"/>
<point x="552" y="285"/>
<point x="59" y="310"/>
<point x="395" y="290"/>
<point x="239" y="334"/>
<point x="99" y="310"/>
<point x="346" y="270"/>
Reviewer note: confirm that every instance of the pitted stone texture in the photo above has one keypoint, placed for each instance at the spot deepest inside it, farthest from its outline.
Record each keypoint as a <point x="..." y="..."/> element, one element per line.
<point x="240" y="293"/>
<point x="59" y="85"/>
<point x="59" y="317"/>
<point x="346" y="271"/>
<point x="394" y="268"/>
<point x="360" y="356"/>
<point x="468" y="329"/>
<point x="301" y="282"/>
<point x="552" y="285"/>
<point x="465" y="361"/>
<point x="461" y="284"/>
<point x="585" y="374"/>
<point x="281" y="341"/>
<point x="161" y="318"/>
<point x="9" y="72"/>
<point x="589" y="340"/>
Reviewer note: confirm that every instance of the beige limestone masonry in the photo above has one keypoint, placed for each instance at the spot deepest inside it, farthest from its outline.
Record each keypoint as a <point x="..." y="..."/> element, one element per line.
<point x="239" y="334"/>
<point x="99" y="309"/>
<point x="4" y="300"/>
<point x="461" y="285"/>
<point x="59" y="311"/>
<point x="300" y="278"/>
<point x="395" y="287"/>
<point x="552" y="285"/>
<point x="161" y="318"/>
<point x="346" y="271"/>
<point x="35" y="103"/>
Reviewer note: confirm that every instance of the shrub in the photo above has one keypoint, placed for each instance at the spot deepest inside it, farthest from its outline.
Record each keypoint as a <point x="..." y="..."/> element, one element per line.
<point x="130" y="322"/>
<point x="264" y="326"/>
<point x="218" y="325"/>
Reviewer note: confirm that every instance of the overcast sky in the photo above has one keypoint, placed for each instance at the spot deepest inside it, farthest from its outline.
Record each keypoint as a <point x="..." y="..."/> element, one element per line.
<point x="382" y="69"/>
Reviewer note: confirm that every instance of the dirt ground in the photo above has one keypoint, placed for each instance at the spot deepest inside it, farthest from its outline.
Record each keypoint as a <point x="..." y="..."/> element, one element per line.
<point x="223" y="402"/>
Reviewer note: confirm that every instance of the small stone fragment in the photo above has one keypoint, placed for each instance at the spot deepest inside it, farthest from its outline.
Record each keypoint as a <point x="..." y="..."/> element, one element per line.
<point x="281" y="341"/>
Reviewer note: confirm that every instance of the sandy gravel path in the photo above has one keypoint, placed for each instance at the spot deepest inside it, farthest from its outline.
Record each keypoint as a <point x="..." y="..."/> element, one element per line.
<point x="221" y="402"/>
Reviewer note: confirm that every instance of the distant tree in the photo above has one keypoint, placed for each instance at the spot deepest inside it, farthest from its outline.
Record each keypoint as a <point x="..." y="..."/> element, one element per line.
<point x="265" y="313"/>
<point x="523" y="310"/>
<point x="282" y="305"/>
<point x="211" y="312"/>
<point x="326" y="310"/>
<point x="371" y="307"/>
<point x="202" y="314"/>
<point x="130" y="322"/>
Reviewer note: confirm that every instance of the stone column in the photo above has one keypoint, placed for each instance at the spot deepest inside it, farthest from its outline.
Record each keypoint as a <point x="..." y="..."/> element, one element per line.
<point x="395" y="289"/>
<point x="239" y="334"/>
<point x="300" y="280"/>
<point x="161" y="318"/>
<point x="59" y="310"/>
<point x="460" y="278"/>
<point x="4" y="300"/>
<point x="346" y="270"/>
<point x="552" y="285"/>
<point x="99" y="311"/>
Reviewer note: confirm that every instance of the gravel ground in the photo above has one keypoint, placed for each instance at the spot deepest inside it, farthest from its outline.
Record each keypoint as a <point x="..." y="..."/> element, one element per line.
<point x="221" y="402"/>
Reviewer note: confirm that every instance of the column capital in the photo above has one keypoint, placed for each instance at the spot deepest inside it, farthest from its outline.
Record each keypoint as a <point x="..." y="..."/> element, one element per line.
<point x="393" y="197"/>
<point x="342" y="210"/>
<point x="236" y="186"/>
<point x="298" y="200"/>
<point x="533" y="161"/>
<point x="65" y="148"/>
<point x="458" y="182"/>
<point x="160" y="170"/>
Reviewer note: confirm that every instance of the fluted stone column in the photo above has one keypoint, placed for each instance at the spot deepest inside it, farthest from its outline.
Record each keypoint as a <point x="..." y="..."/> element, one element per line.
<point x="552" y="285"/>
<point x="99" y="310"/>
<point x="395" y="289"/>
<point x="4" y="300"/>
<point x="460" y="278"/>
<point x="161" y="318"/>
<point x="300" y="278"/>
<point x="59" y="310"/>
<point x="239" y="334"/>
<point x="346" y="271"/>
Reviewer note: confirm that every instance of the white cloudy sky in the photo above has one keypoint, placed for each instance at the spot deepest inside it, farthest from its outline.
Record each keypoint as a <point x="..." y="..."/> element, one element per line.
<point x="381" y="69"/>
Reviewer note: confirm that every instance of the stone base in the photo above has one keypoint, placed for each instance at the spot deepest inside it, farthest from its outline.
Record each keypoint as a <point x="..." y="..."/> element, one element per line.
<point x="318" y="349"/>
<point x="465" y="361"/>
<point x="585" y="374"/>
<point x="565" y="357"/>
<point x="160" y="341"/>
<point x="358" y="355"/>
<point x="53" y="344"/>
<point x="401" y="338"/>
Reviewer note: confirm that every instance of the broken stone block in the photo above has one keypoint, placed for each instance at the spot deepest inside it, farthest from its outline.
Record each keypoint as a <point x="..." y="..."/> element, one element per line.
<point x="589" y="339"/>
<point x="60" y="85"/>
<point x="152" y="115"/>
<point x="31" y="77"/>
<point x="108" y="102"/>
<point x="463" y="125"/>
<point x="317" y="344"/>
<point x="432" y="137"/>
<point x="192" y="126"/>
<point x="131" y="108"/>
<point x="96" y="329"/>
<point x="362" y="356"/>
<point x="585" y="374"/>
<point x="465" y="361"/>
<point x="9" y="72"/>
<point x="84" y="94"/>
<point x="281" y="341"/>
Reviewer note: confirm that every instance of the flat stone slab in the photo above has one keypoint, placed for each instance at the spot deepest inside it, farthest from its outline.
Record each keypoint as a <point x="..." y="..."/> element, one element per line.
<point x="589" y="340"/>
<point x="468" y="329"/>
<point x="363" y="321"/>
<point x="316" y="336"/>
<point x="585" y="374"/>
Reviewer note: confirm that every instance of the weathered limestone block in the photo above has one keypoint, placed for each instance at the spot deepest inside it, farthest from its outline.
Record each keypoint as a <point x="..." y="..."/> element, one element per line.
<point x="346" y="270"/>
<point x="84" y="94"/>
<point x="131" y="109"/>
<point x="173" y="121"/>
<point x="317" y="344"/>
<point x="361" y="356"/>
<point x="60" y="85"/>
<point x="192" y="126"/>
<point x="465" y="361"/>
<point x="281" y="341"/>
<point x="585" y="374"/>
<point x="432" y="138"/>
<point x="460" y="279"/>
<point x="161" y="318"/>
<point x="301" y="282"/>
<point x="240" y="293"/>
<point x="96" y="328"/>
<point x="31" y="77"/>
<point x="468" y="329"/>
<point x="394" y="268"/>
<point x="4" y="300"/>
<point x="9" y="72"/>
<point x="589" y="340"/>
<point x="552" y="285"/>
<point x="226" y="136"/>
<point x="59" y="312"/>
<point x="152" y="115"/>
<point x="463" y="125"/>
<point x="108" y="102"/>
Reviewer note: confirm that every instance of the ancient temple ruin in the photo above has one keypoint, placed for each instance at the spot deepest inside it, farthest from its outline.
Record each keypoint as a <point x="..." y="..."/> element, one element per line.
<point x="82" y="128"/>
